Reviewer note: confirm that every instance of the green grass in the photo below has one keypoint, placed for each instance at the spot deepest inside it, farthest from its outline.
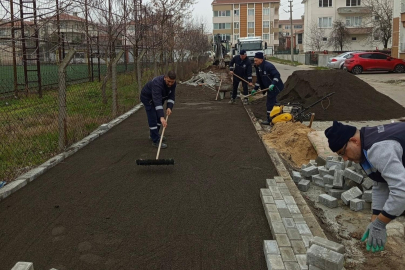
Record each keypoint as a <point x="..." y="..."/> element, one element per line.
<point x="29" y="125"/>
<point x="282" y="61"/>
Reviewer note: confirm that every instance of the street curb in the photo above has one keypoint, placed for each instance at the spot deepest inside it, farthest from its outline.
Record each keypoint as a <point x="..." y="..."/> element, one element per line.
<point x="22" y="180"/>
<point x="272" y="185"/>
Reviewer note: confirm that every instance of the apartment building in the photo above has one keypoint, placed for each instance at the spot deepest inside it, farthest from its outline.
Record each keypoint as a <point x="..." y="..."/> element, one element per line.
<point x="398" y="29"/>
<point x="234" y="19"/>
<point x="321" y="15"/>
<point x="285" y="26"/>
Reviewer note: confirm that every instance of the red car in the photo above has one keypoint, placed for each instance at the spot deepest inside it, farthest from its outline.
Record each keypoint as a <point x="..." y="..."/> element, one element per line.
<point x="356" y="63"/>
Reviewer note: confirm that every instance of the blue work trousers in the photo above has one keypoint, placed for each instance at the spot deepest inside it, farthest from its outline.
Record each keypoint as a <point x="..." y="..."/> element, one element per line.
<point x="271" y="101"/>
<point x="153" y="120"/>
<point x="236" y="82"/>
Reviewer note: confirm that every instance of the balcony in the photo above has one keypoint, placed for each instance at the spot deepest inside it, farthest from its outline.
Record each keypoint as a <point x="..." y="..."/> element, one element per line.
<point x="354" y="10"/>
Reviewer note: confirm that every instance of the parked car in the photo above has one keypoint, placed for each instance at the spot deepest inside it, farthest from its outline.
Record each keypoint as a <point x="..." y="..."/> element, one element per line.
<point x="356" y="63"/>
<point x="339" y="60"/>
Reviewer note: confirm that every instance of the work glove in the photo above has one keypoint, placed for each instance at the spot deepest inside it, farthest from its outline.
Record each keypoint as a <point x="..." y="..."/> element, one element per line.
<point x="271" y="87"/>
<point x="376" y="235"/>
<point x="253" y="92"/>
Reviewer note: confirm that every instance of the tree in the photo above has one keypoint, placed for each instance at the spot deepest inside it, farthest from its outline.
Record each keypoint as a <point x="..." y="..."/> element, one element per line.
<point x="339" y="37"/>
<point x="380" y="19"/>
<point x="314" y="37"/>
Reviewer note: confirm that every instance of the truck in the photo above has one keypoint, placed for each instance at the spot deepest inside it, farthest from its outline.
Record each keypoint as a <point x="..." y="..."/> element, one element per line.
<point x="251" y="45"/>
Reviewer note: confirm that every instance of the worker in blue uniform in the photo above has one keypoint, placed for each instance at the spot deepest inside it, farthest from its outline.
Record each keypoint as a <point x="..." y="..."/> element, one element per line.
<point x="153" y="96"/>
<point x="268" y="77"/>
<point x="241" y="66"/>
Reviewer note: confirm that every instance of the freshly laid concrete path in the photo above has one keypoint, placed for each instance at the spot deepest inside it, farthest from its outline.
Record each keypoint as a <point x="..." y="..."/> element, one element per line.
<point x="99" y="210"/>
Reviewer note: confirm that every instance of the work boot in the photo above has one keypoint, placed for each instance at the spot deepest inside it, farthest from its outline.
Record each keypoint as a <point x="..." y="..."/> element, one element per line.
<point x="164" y="138"/>
<point x="267" y="123"/>
<point x="245" y="101"/>
<point x="232" y="101"/>
<point x="156" y="144"/>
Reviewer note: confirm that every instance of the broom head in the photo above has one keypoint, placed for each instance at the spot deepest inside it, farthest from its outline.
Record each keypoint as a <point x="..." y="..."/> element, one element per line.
<point x="148" y="162"/>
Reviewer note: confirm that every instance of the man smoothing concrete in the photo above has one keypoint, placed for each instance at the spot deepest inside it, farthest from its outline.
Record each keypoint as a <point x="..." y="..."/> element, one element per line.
<point x="153" y="96"/>
<point x="379" y="150"/>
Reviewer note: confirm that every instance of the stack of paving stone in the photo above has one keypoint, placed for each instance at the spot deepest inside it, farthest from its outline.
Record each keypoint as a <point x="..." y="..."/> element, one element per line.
<point x="203" y="78"/>
<point x="292" y="234"/>
<point x="341" y="180"/>
<point x="325" y="255"/>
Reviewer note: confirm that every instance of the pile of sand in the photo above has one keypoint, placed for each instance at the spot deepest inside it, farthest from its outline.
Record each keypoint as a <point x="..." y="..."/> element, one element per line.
<point x="291" y="142"/>
<point x="354" y="99"/>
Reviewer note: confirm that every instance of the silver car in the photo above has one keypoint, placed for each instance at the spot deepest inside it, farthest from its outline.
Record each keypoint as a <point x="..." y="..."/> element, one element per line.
<point x="339" y="60"/>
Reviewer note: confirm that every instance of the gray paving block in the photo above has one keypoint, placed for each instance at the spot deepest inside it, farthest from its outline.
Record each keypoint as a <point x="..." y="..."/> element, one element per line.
<point x="328" y="200"/>
<point x="277" y="195"/>
<point x="274" y="262"/>
<point x="357" y="204"/>
<point x="329" y="158"/>
<point x="291" y="266"/>
<point x="271" y="247"/>
<point x="318" y="180"/>
<point x="296" y="176"/>
<point x="23" y="266"/>
<point x="357" y="167"/>
<point x="323" y="171"/>
<point x="277" y="227"/>
<point x="339" y="248"/>
<point x="351" y="194"/>
<point x="328" y="179"/>
<point x="270" y="182"/>
<point x="293" y="209"/>
<point x="275" y="217"/>
<point x="285" y="192"/>
<point x="302" y="261"/>
<point x="338" y="181"/>
<point x="306" y="239"/>
<point x="368" y="196"/>
<point x="303" y="229"/>
<point x="287" y="254"/>
<point x="328" y="187"/>
<point x="298" y="247"/>
<point x="284" y="213"/>
<point x="337" y="193"/>
<point x="289" y="199"/>
<point x="339" y="165"/>
<point x="367" y="183"/>
<point x="348" y="184"/>
<point x="293" y="234"/>
<point x="279" y="179"/>
<point x="283" y="240"/>
<point x="281" y="185"/>
<point x="280" y="204"/>
<point x="267" y="199"/>
<point x="288" y="223"/>
<point x="304" y="185"/>
<point x="265" y="192"/>
<point x="332" y="170"/>
<point x="270" y="207"/>
<point x="352" y="175"/>
<point x="309" y="171"/>
<point x="324" y="258"/>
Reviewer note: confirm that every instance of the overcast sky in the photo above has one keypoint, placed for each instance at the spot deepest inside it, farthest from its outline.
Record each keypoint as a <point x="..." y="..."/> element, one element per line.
<point x="203" y="10"/>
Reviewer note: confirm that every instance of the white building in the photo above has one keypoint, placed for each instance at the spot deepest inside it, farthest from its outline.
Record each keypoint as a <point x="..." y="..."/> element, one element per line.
<point x="398" y="29"/>
<point x="319" y="16"/>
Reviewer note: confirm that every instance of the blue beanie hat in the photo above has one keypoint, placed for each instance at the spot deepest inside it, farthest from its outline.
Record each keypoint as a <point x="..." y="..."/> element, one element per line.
<point x="242" y="52"/>
<point x="338" y="135"/>
<point x="259" y="55"/>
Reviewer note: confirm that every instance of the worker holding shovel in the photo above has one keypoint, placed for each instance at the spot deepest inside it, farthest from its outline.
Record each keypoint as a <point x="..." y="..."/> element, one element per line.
<point x="379" y="150"/>
<point x="153" y="96"/>
<point x="268" y="77"/>
<point x="241" y="68"/>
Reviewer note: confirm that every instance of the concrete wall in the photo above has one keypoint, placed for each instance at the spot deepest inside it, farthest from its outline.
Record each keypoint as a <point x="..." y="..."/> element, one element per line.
<point x="300" y="58"/>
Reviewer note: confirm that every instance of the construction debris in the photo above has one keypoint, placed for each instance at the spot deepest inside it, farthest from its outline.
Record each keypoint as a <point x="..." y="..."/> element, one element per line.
<point x="204" y="79"/>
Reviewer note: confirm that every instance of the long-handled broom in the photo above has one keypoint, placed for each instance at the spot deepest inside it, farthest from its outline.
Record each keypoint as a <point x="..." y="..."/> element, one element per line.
<point x="157" y="161"/>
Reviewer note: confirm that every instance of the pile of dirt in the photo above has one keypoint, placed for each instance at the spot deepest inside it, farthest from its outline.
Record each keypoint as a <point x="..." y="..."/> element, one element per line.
<point x="354" y="99"/>
<point x="291" y="142"/>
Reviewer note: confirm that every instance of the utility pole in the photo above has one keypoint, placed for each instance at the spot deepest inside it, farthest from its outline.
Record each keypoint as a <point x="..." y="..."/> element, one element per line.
<point x="291" y="31"/>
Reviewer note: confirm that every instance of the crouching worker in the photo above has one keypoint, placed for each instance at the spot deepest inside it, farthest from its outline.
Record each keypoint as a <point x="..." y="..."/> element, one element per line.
<point x="380" y="152"/>
<point x="153" y="96"/>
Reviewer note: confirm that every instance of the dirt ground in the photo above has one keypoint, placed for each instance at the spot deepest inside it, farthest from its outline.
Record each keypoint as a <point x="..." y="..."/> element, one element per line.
<point x="99" y="210"/>
<point x="290" y="139"/>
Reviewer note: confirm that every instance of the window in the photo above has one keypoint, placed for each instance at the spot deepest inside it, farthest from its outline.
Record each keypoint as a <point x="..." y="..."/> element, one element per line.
<point x="299" y="38"/>
<point x="365" y="55"/>
<point x="280" y="26"/>
<point x="236" y="25"/>
<point x="251" y="12"/>
<point x="222" y="13"/>
<point x="297" y="26"/>
<point x="352" y="3"/>
<point x="287" y="27"/>
<point x="266" y="36"/>
<point x="376" y="18"/>
<point x="235" y="37"/>
<point x="325" y="22"/>
<point x="353" y="21"/>
<point x="324" y="39"/>
<point x="325" y="3"/>
<point x="379" y="56"/>
<point x="251" y="25"/>
<point x="3" y="32"/>
<point x="226" y="37"/>
<point x="266" y="24"/>
<point x="236" y="12"/>
<point x="354" y="38"/>
<point x="218" y="26"/>
<point x="266" y="11"/>
<point x="251" y="35"/>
